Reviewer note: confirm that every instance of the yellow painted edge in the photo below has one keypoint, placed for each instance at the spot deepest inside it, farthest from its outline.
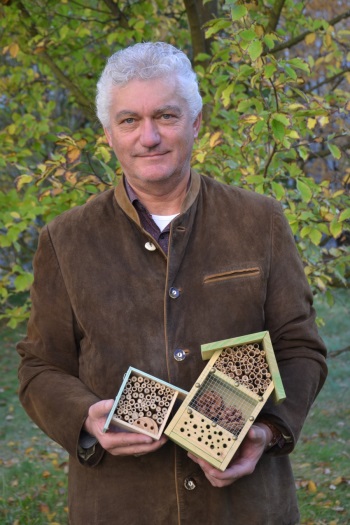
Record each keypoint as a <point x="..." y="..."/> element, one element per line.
<point x="208" y="349"/>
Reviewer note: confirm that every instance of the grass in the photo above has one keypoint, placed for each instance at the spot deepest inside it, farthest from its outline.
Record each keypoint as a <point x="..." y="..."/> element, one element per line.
<point x="34" y="469"/>
<point x="321" y="460"/>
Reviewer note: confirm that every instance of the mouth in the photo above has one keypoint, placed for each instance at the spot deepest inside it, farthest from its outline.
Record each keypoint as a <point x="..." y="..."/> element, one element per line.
<point x="151" y="155"/>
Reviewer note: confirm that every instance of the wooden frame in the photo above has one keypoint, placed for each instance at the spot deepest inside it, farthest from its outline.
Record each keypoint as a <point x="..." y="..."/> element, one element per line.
<point x="143" y="404"/>
<point x="227" y="397"/>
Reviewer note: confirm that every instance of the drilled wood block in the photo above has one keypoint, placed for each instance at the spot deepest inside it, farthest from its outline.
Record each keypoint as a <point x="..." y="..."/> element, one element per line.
<point x="143" y="404"/>
<point x="226" y="399"/>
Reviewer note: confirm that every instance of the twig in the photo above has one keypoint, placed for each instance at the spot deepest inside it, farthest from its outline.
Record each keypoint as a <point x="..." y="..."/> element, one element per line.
<point x="293" y="41"/>
<point x="339" y="352"/>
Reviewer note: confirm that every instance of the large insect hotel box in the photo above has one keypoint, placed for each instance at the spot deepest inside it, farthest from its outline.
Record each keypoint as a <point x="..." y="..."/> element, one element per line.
<point x="143" y="404"/>
<point x="227" y="397"/>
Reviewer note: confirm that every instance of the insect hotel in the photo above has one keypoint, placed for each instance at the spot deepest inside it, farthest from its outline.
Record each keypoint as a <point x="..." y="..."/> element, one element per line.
<point x="143" y="404"/>
<point x="227" y="397"/>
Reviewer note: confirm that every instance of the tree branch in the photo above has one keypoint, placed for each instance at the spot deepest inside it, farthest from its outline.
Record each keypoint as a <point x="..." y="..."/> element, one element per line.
<point x="328" y="80"/>
<point x="293" y="41"/>
<point x="338" y="352"/>
<point x="118" y="13"/>
<point x="274" y="17"/>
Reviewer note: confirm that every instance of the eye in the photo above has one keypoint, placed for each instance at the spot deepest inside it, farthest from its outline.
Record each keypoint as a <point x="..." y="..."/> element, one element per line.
<point x="166" y="116"/>
<point x="128" y="120"/>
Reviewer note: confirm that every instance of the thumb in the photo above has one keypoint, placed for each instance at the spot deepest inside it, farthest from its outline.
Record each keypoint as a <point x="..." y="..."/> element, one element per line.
<point x="101" y="408"/>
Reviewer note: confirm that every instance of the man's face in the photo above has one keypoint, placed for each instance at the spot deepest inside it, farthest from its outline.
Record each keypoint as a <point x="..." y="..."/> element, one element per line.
<point x="151" y="131"/>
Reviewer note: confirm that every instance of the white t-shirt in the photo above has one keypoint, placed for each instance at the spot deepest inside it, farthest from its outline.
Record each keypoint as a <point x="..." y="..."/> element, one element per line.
<point x="162" y="221"/>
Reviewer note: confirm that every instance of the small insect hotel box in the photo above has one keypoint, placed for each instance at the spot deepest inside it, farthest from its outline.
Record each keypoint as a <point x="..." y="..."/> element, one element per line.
<point x="143" y="404"/>
<point x="227" y="397"/>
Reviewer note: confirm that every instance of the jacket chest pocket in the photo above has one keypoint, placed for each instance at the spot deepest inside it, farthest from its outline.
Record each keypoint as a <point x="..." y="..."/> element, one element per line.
<point x="235" y="274"/>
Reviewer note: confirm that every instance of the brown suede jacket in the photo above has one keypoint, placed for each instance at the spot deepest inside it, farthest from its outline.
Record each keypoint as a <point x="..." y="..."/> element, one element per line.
<point x="101" y="303"/>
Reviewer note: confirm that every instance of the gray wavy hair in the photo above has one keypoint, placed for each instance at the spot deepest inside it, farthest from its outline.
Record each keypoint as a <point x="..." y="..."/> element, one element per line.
<point x="147" y="61"/>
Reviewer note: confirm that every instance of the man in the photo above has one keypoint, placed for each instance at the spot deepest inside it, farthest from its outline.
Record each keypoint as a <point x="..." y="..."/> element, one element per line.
<point x="112" y="289"/>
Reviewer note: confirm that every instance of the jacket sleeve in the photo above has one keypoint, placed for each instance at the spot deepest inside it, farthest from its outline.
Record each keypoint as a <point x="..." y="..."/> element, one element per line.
<point x="50" y="389"/>
<point x="290" y="319"/>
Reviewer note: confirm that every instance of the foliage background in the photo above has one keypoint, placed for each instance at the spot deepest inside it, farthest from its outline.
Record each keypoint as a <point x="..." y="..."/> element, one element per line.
<point x="274" y="75"/>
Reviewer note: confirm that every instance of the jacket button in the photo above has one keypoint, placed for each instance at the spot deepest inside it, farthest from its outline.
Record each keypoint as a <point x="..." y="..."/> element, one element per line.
<point x="179" y="354"/>
<point x="189" y="484"/>
<point x="174" y="293"/>
<point x="150" y="246"/>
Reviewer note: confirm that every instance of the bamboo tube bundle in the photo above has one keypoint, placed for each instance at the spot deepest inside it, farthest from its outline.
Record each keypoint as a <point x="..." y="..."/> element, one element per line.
<point x="139" y="402"/>
<point x="246" y="363"/>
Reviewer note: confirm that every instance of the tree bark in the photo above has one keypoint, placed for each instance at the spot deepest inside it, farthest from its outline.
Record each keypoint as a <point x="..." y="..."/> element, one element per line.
<point x="197" y="15"/>
<point x="274" y="17"/>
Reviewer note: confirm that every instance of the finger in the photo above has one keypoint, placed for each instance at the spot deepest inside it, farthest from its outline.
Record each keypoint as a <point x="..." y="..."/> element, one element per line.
<point x="138" y="449"/>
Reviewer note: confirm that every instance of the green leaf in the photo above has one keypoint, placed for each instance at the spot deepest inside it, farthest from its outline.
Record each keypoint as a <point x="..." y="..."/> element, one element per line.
<point x="278" y="129"/>
<point x="278" y="190"/>
<point x="305" y="192"/>
<point x="269" y="70"/>
<point x="248" y="35"/>
<point x="290" y="72"/>
<point x="345" y="214"/>
<point x="281" y="118"/>
<point x="269" y="41"/>
<point x="335" y="151"/>
<point x="255" y="49"/>
<point x="238" y="12"/>
<point x="244" y="105"/>
<point x="315" y="236"/>
<point x="23" y="282"/>
<point x="336" y="228"/>
<point x="300" y="64"/>
<point x="217" y="26"/>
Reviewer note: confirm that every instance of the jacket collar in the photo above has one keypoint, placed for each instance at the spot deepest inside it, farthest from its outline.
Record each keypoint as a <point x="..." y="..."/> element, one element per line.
<point x="123" y="200"/>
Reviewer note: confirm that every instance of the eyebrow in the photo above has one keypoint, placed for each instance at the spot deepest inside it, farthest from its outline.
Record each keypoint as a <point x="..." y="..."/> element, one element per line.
<point x="163" y="109"/>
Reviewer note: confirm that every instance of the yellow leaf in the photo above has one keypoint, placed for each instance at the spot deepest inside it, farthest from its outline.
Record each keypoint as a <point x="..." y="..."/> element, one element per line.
<point x="81" y="143"/>
<point x="328" y="216"/>
<point x="311" y="123"/>
<point x="11" y="129"/>
<point x="259" y="30"/>
<point x="251" y="119"/>
<point x="347" y="105"/>
<point x="311" y="486"/>
<point x="73" y="154"/>
<point x="15" y="215"/>
<point x="29" y="450"/>
<point x="44" y="508"/>
<point x="13" y="49"/>
<point x="310" y="39"/>
<point x="46" y="474"/>
<point x="293" y="134"/>
<point x="328" y="40"/>
<point x="324" y="120"/>
<point x="338" y="480"/>
<point x="215" y="139"/>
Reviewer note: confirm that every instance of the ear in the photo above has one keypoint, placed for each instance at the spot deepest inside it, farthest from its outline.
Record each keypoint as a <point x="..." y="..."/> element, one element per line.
<point x="108" y="136"/>
<point x="197" y="125"/>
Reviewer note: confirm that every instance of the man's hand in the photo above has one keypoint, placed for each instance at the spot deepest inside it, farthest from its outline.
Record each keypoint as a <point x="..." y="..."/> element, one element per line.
<point x="116" y="442"/>
<point x="244" y="461"/>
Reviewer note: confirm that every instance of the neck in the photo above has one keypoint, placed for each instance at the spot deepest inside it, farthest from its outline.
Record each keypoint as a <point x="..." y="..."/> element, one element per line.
<point x="159" y="199"/>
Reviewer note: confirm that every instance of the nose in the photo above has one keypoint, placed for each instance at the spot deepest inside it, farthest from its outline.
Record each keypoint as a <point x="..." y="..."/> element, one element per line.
<point x="149" y="134"/>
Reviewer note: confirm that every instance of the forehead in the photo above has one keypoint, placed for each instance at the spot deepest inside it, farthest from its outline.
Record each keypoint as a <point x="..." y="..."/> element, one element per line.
<point x="144" y="96"/>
